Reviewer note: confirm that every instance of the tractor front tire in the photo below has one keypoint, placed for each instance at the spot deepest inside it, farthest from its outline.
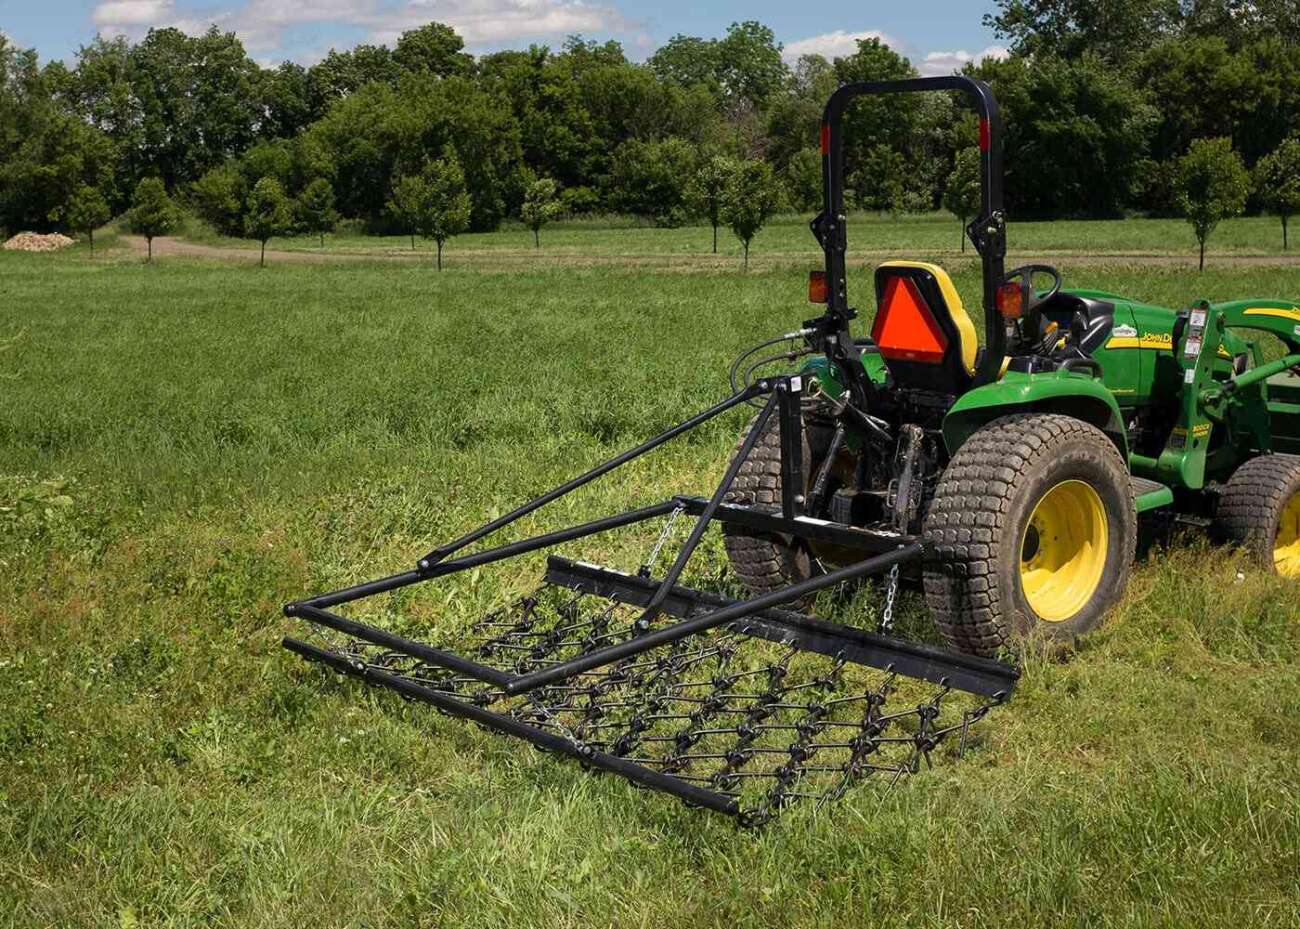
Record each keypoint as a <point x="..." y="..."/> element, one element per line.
<point x="1259" y="510"/>
<point x="1034" y="531"/>
<point x="765" y="562"/>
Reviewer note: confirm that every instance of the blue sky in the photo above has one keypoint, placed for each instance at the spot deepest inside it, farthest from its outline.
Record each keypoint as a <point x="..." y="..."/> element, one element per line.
<point x="938" y="35"/>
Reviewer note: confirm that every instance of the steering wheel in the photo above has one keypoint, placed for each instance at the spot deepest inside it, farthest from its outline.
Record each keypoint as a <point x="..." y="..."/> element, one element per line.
<point x="1042" y="334"/>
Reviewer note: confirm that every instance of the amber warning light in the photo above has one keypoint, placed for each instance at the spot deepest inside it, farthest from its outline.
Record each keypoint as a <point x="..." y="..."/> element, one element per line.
<point x="817" y="292"/>
<point x="1011" y="300"/>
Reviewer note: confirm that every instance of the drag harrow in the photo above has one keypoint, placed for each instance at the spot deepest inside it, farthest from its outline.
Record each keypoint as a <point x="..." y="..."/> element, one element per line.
<point x="737" y="706"/>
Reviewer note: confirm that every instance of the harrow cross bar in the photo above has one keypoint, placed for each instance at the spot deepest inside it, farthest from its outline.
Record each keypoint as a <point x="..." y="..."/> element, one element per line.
<point x="970" y="673"/>
<point x="732" y="705"/>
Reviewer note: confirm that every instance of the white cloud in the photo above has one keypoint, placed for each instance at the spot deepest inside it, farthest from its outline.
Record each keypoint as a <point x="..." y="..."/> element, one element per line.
<point x="937" y="63"/>
<point x="262" y="24"/>
<point x="835" y="44"/>
<point x="119" y="14"/>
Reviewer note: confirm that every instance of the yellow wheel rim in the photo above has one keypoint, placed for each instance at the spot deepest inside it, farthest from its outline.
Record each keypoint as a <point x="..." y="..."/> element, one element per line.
<point x="1286" y="548"/>
<point x="1063" y="551"/>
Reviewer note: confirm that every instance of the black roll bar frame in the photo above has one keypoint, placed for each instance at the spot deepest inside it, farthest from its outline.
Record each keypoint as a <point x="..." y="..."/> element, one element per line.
<point x="987" y="231"/>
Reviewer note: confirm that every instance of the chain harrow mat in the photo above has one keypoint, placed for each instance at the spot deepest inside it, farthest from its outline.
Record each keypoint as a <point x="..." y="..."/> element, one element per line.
<point x="747" y="718"/>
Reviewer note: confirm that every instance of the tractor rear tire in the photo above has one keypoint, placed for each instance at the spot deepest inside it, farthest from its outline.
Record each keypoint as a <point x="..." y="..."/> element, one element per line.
<point x="765" y="562"/>
<point x="1034" y="531"/>
<point x="1259" y="510"/>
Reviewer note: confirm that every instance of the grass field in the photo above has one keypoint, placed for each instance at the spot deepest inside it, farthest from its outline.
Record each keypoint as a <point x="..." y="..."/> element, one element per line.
<point x="788" y="237"/>
<point x="186" y="446"/>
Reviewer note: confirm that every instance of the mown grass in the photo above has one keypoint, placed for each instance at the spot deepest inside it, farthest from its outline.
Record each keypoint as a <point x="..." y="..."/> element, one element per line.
<point x="188" y="445"/>
<point x="788" y="236"/>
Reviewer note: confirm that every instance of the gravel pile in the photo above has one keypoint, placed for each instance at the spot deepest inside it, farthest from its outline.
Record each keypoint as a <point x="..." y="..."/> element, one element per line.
<point x="33" y="242"/>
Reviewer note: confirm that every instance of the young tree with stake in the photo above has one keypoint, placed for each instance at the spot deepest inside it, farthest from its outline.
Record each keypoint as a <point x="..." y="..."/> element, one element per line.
<point x="434" y="204"/>
<point x="708" y="190"/>
<point x="315" y="206"/>
<point x="407" y="203"/>
<point x="85" y="211"/>
<point x="539" y="207"/>
<point x="152" y="212"/>
<point x="1278" y="182"/>
<point x="751" y="197"/>
<point x="961" y="196"/>
<point x="269" y="213"/>
<point x="449" y="205"/>
<point x="1213" y="185"/>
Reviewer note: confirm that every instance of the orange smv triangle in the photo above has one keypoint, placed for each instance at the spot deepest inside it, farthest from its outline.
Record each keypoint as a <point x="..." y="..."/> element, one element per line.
<point x="905" y="329"/>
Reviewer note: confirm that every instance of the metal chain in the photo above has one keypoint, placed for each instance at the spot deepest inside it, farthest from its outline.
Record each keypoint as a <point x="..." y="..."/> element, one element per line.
<point x="644" y="570"/>
<point x="886" y="625"/>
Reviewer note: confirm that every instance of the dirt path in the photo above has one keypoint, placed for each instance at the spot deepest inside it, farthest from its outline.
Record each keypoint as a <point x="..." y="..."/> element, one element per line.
<point x="517" y="258"/>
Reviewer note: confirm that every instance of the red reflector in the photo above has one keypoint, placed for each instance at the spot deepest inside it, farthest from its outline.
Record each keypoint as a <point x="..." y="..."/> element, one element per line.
<point x="817" y="292"/>
<point x="826" y="138"/>
<point x="905" y="329"/>
<point x="985" y="135"/>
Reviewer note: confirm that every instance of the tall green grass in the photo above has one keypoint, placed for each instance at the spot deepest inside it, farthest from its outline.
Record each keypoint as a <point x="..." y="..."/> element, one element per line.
<point x="184" y="447"/>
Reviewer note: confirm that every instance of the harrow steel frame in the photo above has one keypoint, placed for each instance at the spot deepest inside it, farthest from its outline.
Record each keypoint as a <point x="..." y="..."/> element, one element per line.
<point x="695" y="612"/>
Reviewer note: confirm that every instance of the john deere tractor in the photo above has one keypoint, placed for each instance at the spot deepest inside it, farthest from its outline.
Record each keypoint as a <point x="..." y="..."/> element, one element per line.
<point x="1027" y="461"/>
<point x="1010" y="475"/>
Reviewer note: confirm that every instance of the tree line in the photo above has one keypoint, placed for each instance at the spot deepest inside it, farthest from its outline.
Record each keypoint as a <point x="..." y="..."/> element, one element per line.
<point x="1104" y="105"/>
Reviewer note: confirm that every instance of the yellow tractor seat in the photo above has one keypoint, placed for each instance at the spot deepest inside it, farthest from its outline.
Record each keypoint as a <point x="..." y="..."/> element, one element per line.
<point x="921" y="328"/>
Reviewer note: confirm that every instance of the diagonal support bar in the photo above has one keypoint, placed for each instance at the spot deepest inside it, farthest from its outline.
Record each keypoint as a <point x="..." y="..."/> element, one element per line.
<point x="383" y="585"/>
<point x="706" y="515"/>
<point x="443" y="551"/>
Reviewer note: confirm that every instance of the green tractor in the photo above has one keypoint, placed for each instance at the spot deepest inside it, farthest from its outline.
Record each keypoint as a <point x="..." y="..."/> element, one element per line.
<point x="1027" y="462"/>
<point x="1009" y="475"/>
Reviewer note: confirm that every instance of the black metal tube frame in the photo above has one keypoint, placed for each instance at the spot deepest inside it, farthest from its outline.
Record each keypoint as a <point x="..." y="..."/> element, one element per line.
<point x="514" y="684"/>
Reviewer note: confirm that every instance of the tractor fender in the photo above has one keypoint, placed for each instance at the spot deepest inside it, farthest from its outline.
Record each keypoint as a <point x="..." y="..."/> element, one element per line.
<point x="1073" y="393"/>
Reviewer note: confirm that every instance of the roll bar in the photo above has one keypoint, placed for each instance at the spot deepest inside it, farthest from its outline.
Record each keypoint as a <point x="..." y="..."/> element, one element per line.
<point x="987" y="231"/>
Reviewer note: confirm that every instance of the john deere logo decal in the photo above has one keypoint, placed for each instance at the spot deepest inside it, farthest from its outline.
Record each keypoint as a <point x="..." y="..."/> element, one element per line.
<point x="1127" y="337"/>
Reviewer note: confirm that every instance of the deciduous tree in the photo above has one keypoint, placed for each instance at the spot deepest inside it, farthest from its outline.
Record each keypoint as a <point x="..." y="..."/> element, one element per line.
<point x="751" y="198"/>
<point x="1278" y="182"/>
<point x="433" y="204"/>
<point x="1213" y="186"/>
<point x="961" y="195"/>
<point x="315" y="207"/>
<point x="85" y="211"/>
<point x="407" y="203"/>
<point x="269" y="213"/>
<point x="152" y="212"/>
<point x="219" y="197"/>
<point x="708" y="190"/>
<point x="539" y="207"/>
<point x="434" y="48"/>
